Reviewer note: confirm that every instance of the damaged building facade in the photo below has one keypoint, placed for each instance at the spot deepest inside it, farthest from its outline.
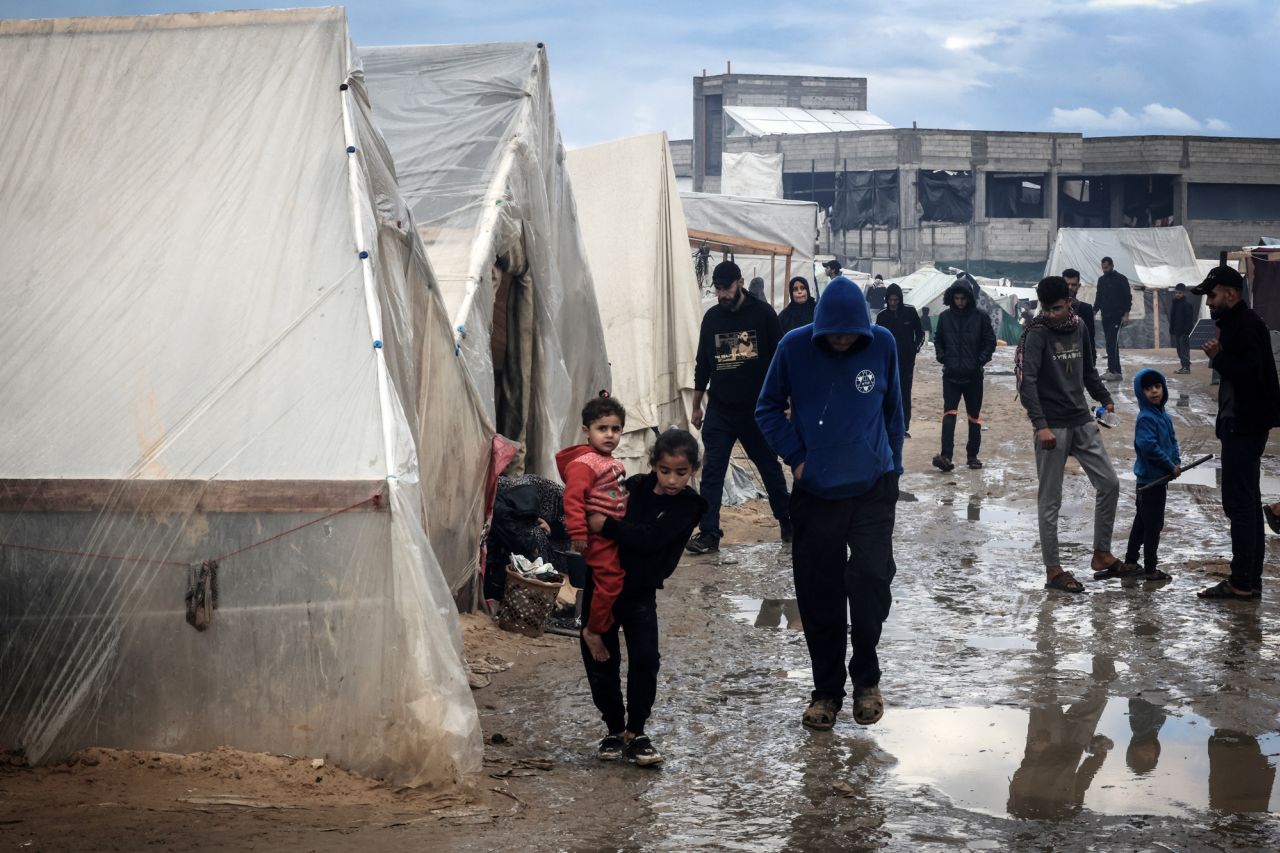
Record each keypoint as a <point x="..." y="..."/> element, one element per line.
<point x="989" y="201"/>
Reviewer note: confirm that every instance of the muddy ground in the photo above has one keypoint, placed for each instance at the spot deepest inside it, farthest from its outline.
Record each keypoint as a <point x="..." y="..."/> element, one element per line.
<point x="1130" y="718"/>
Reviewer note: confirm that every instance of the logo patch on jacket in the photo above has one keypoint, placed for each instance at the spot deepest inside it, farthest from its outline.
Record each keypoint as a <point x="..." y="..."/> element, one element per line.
<point x="865" y="382"/>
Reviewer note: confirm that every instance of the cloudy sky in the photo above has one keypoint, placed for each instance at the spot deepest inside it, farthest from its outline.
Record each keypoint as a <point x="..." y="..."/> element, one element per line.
<point x="1093" y="66"/>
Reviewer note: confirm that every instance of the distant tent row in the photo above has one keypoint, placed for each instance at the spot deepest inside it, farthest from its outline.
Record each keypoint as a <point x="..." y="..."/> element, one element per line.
<point x="248" y="488"/>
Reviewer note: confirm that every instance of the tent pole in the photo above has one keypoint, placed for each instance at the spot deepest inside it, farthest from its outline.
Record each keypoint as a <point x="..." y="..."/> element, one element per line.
<point x="786" y="300"/>
<point x="773" y="273"/>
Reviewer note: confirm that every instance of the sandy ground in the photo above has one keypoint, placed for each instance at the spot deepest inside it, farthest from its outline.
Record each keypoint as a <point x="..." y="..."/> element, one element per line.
<point x="1017" y="718"/>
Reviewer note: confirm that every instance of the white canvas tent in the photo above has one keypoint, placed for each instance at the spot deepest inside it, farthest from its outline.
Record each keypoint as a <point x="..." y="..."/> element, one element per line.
<point x="769" y="220"/>
<point x="750" y="174"/>
<point x="637" y="244"/>
<point x="479" y="160"/>
<point x="231" y="362"/>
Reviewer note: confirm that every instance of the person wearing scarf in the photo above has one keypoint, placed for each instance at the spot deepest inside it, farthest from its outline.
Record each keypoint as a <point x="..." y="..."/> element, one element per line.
<point x="1053" y="366"/>
<point x="799" y="312"/>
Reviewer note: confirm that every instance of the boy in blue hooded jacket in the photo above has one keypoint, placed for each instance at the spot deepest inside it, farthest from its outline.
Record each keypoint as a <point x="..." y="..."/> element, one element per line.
<point x="843" y="441"/>
<point x="1158" y="455"/>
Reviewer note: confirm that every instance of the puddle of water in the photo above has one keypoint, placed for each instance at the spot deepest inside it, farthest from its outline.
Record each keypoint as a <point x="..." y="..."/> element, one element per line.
<point x="1100" y="667"/>
<point x="1115" y="757"/>
<point x="989" y="513"/>
<point x="1001" y="644"/>
<point x="767" y="612"/>
<point x="1209" y="476"/>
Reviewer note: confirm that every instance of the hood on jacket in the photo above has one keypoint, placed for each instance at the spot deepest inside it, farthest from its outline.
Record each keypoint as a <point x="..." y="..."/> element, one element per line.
<point x="894" y="290"/>
<point x="842" y="310"/>
<point x="564" y="457"/>
<point x="1143" y="403"/>
<point x="959" y="287"/>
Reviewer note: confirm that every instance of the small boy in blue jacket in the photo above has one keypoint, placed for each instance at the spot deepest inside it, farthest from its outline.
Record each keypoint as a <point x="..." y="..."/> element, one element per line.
<point x="1158" y="455"/>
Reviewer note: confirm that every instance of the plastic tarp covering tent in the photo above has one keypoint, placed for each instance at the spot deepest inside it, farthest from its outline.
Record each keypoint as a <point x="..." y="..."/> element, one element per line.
<point x="479" y="160"/>
<point x="209" y="372"/>
<point x="637" y="244"/>
<point x="749" y="174"/>
<point x="786" y="223"/>
<point x="925" y="288"/>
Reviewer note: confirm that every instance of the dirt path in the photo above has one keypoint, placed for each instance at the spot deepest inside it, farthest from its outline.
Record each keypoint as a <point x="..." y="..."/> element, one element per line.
<point x="1129" y="718"/>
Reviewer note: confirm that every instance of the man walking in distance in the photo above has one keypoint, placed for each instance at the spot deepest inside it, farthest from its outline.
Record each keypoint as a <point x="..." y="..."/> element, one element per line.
<point x="1083" y="310"/>
<point x="1182" y="319"/>
<point x="963" y="343"/>
<point x="904" y="324"/>
<point x="1053" y="367"/>
<point x="843" y="441"/>
<point x="1248" y="407"/>
<point x="738" y="338"/>
<point x="1113" y="301"/>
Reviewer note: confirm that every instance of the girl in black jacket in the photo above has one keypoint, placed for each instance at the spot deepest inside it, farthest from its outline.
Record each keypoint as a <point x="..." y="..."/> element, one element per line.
<point x="662" y="511"/>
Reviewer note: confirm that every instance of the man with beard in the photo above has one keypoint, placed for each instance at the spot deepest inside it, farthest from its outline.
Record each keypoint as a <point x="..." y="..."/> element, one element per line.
<point x="963" y="343"/>
<point x="1248" y="407"/>
<point x="1114" y="300"/>
<point x="1083" y="309"/>
<point x="904" y="323"/>
<point x="738" y="338"/>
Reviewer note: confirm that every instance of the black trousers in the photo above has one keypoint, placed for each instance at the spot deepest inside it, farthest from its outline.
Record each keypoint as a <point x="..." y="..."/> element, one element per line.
<point x="906" y="377"/>
<point x="1242" y="502"/>
<point x="842" y="558"/>
<point x="1182" y="343"/>
<point x="637" y="617"/>
<point x="720" y="430"/>
<point x="971" y="392"/>
<point x="1111" y="331"/>
<point x="1148" y="521"/>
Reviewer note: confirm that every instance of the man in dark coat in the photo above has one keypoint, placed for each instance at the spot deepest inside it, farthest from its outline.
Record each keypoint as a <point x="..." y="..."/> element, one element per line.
<point x="1083" y="309"/>
<point x="903" y="321"/>
<point x="1182" y="319"/>
<point x="1113" y="302"/>
<point x="1248" y="408"/>
<point x="963" y="344"/>
<point x="876" y="293"/>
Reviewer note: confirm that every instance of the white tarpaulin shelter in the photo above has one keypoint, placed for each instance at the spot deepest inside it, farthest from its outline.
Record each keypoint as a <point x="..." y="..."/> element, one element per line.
<point x="742" y="121"/>
<point x="750" y="174"/>
<point x="231" y="382"/>
<point x="769" y="220"/>
<point x="479" y="160"/>
<point x="637" y="244"/>
<point x="1151" y="257"/>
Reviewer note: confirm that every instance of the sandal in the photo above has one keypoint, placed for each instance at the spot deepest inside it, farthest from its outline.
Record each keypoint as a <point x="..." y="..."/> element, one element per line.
<point x="1118" y="570"/>
<point x="1064" y="581"/>
<point x="1223" y="591"/>
<point x="820" y="715"/>
<point x="868" y="705"/>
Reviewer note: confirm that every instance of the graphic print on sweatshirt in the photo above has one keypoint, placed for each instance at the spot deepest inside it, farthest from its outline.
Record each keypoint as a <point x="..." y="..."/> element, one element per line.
<point x="734" y="348"/>
<point x="1068" y="352"/>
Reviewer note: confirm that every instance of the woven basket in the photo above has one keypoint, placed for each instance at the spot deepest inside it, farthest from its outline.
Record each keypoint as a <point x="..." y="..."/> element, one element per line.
<point x="526" y="605"/>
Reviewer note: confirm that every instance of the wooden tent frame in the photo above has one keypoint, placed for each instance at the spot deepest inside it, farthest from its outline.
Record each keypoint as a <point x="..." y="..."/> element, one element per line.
<point x="730" y="243"/>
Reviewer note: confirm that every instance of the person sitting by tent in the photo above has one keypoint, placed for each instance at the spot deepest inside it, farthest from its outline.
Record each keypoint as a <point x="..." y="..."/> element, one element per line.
<point x="528" y="519"/>
<point x="904" y="323"/>
<point x="1182" y="319"/>
<point x="965" y="343"/>
<point x="800" y="311"/>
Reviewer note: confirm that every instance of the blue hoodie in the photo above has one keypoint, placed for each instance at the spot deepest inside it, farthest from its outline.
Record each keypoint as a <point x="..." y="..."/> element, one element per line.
<point x="1153" y="435"/>
<point x="846" y="421"/>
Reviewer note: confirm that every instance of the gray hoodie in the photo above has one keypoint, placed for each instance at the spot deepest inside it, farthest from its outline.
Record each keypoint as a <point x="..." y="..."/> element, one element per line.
<point x="1057" y="367"/>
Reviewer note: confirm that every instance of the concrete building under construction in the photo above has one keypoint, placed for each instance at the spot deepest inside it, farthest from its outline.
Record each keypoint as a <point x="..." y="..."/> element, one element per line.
<point x="900" y="198"/>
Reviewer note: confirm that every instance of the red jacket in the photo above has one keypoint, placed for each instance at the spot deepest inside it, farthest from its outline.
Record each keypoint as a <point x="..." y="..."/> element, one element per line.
<point x="592" y="483"/>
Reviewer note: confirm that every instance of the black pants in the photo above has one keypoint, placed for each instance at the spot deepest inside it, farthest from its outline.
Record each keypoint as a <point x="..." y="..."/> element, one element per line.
<point x="637" y="616"/>
<point x="1111" y="331"/>
<point x="720" y="430"/>
<point x="906" y="377"/>
<point x="1182" y="343"/>
<point x="842" y="558"/>
<point x="1148" y="521"/>
<point x="1242" y="502"/>
<point x="952" y="392"/>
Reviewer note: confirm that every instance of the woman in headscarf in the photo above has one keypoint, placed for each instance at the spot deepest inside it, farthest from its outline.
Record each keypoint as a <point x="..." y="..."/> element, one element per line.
<point x="800" y="310"/>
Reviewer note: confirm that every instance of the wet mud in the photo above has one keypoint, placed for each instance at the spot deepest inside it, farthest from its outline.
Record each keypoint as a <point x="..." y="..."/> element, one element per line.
<point x="1133" y="717"/>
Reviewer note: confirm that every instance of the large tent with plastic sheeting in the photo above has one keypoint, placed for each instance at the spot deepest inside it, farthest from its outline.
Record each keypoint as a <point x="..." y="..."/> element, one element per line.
<point x="224" y="382"/>
<point x="767" y="220"/>
<point x="479" y="160"/>
<point x="637" y="244"/>
<point x="925" y="288"/>
<point x="1153" y="259"/>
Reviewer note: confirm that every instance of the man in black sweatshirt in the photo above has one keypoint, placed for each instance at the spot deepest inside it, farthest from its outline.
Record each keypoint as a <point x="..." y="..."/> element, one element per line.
<point x="1182" y="319"/>
<point x="738" y="338"/>
<point x="903" y="321"/>
<point x="963" y="343"/>
<point x="1248" y="409"/>
<point x="1083" y="309"/>
<point x="1113" y="302"/>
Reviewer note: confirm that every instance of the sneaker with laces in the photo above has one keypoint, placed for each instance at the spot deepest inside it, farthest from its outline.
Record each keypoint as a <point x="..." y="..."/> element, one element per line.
<point x="642" y="752"/>
<point x="611" y="748"/>
<point x="975" y="463"/>
<point x="703" y="543"/>
<point x="943" y="463"/>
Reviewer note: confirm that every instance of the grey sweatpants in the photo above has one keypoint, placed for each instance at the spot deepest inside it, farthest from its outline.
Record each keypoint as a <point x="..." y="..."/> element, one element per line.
<point x="1085" y="444"/>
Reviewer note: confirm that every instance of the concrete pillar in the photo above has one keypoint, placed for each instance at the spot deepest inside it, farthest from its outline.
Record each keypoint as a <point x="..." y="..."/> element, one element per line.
<point x="1051" y="204"/>
<point x="1179" y="200"/>
<point x="908" y="223"/>
<point x="979" y="195"/>
<point x="1117" y="202"/>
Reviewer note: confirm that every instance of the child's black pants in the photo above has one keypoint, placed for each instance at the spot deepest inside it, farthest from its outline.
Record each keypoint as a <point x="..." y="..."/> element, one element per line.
<point x="636" y="613"/>
<point x="1148" y="521"/>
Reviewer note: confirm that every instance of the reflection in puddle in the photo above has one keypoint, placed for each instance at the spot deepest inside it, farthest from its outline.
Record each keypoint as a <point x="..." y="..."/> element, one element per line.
<point x="767" y="612"/>
<point x="1001" y="644"/>
<point x="1101" y="668"/>
<point x="989" y="513"/>
<point x="1116" y="756"/>
<point x="1209" y="476"/>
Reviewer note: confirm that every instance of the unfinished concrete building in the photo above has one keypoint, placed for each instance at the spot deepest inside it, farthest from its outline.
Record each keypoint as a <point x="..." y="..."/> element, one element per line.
<point x="900" y="198"/>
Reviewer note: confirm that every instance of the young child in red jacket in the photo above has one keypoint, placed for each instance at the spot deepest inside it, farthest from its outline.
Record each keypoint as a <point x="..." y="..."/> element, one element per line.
<point x="593" y="484"/>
